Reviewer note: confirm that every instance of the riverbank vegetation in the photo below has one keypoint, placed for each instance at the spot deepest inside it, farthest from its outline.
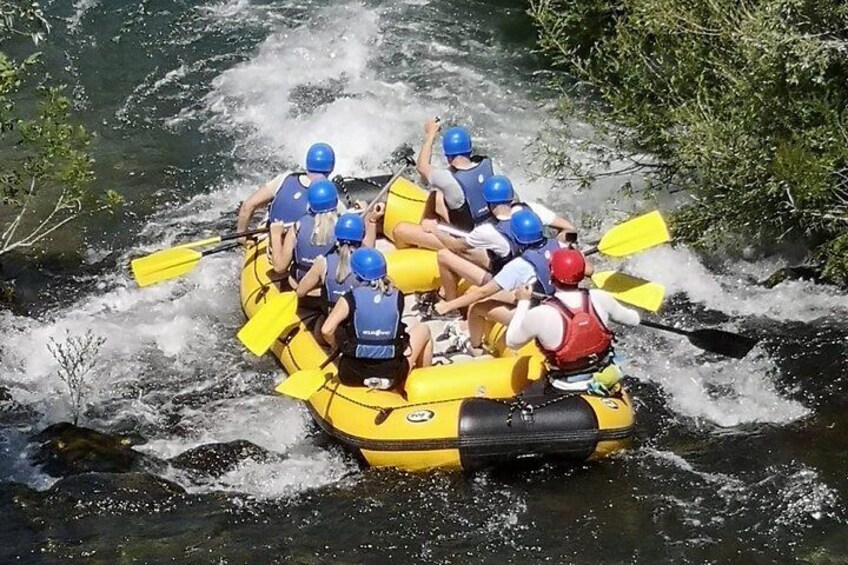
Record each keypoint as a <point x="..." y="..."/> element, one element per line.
<point x="743" y="106"/>
<point x="47" y="169"/>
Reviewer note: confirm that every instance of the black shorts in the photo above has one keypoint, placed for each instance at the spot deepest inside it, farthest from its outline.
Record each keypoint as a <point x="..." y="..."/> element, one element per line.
<point x="353" y="371"/>
<point x="461" y="218"/>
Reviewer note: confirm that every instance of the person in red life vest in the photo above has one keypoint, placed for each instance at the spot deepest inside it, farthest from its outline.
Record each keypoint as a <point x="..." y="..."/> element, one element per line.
<point x="571" y="327"/>
<point x="495" y="300"/>
<point x="285" y="194"/>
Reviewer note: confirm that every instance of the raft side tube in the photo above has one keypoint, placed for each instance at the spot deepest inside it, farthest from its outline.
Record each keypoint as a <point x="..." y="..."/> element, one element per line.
<point x="405" y="203"/>
<point x="490" y="378"/>
<point x="413" y="270"/>
<point x="493" y="432"/>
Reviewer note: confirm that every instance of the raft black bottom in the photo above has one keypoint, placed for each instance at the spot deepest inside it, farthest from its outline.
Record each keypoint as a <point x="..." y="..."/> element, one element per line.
<point x="490" y="432"/>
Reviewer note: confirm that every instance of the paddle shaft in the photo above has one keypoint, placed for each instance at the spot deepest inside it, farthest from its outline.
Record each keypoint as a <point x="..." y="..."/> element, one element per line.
<point x="664" y="327"/>
<point x="218" y="249"/>
<point x="333" y="356"/>
<point x="385" y="189"/>
<point x="243" y="234"/>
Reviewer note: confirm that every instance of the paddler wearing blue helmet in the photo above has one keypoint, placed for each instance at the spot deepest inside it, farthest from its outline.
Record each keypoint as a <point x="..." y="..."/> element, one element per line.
<point x="456" y="190"/>
<point x="331" y="275"/>
<point x="285" y="195"/>
<point x="378" y="352"/>
<point x="530" y="265"/>
<point x="312" y="236"/>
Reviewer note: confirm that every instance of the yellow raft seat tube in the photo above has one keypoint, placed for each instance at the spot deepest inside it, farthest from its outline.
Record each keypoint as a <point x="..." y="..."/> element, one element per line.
<point x="405" y="203"/>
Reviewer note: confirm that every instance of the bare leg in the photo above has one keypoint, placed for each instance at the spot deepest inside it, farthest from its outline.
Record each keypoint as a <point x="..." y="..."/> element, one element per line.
<point x="421" y="346"/>
<point x="440" y="207"/>
<point x="408" y="234"/>
<point x="477" y="256"/>
<point x="499" y="308"/>
<point x="452" y="267"/>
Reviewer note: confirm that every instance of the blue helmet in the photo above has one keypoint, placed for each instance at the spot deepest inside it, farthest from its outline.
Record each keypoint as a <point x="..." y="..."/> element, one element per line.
<point x="368" y="264"/>
<point x="526" y="227"/>
<point x="350" y="228"/>
<point x="322" y="196"/>
<point x="498" y="190"/>
<point x="456" y="141"/>
<point x="320" y="159"/>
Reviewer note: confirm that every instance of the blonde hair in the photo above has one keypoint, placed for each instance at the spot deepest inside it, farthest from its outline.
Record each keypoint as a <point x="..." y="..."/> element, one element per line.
<point x="343" y="269"/>
<point x="384" y="285"/>
<point x="325" y="225"/>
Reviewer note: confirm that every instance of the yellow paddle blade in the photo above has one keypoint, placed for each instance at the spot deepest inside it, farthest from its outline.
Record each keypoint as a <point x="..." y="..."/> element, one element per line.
<point x="631" y="290"/>
<point x="302" y="384"/>
<point x="635" y="235"/>
<point x="260" y="332"/>
<point x="164" y="265"/>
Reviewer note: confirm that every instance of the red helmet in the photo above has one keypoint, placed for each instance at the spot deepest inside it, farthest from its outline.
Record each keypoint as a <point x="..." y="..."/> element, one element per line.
<point x="568" y="267"/>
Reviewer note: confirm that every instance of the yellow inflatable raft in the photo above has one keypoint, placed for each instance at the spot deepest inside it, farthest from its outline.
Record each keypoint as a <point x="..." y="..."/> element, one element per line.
<point x="466" y="414"/>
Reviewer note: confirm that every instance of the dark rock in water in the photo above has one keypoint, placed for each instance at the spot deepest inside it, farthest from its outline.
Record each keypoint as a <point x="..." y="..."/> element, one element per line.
<point x="800" y="272"/>
<point x="215" y="459"/>
<point x="64" y="449"/>
<point x="124" y="488"/>
<point x="12" y="412"/>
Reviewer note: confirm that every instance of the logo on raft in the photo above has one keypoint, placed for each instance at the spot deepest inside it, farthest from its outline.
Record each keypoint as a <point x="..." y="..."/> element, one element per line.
<point x="610" y="403"/>
<point x="420" y="416"/>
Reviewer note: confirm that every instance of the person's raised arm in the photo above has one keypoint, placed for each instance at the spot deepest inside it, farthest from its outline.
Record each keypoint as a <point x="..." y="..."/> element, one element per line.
<point x="281" y="255"/>
<point x="313" y="277"/>
<point x="263" y="195"/>
<point x="338" y="314"/>
<point x="422" y="164"/>
<point x="371" y="220"/>
<point x="474" y="295"/>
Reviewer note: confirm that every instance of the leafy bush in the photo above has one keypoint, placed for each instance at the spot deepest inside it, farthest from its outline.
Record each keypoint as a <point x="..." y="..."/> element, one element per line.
<point x="46" y="171"/>
<point x="741" y="104"/>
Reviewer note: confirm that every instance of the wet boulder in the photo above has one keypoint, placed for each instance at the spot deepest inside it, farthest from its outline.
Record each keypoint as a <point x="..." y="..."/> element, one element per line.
<point x="122" y="490"/>
<point x="215" y="459"/>
<point x="65" y="449"/>
<point x="799" y="272"/>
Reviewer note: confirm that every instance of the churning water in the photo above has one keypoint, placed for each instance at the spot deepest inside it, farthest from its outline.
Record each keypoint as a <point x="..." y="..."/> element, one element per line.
<point x="197" y="103"/>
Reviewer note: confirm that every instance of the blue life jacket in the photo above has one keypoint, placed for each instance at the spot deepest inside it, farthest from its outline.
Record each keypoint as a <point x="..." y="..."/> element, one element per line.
<point x="290" y="203"/>
<point x="305" y="252"/>
<point x="471" y="182"/>
<point x="333" y="290"/>
<point x="496" y="262"/>
<point x="540" y="257"/>
<point x="375" y="330"/>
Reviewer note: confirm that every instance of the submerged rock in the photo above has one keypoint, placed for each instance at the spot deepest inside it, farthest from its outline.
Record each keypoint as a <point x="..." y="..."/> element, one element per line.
<point x="65" y="449"/>
<point x="124" y="488"/>
<point x="215" y="459"/>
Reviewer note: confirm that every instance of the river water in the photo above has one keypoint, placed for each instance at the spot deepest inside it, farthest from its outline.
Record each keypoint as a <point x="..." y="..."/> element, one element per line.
<point x="194" y="103"/>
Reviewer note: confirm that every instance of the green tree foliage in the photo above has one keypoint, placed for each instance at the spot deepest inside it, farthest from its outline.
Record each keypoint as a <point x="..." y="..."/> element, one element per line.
<point x="45" y="165"/>
<point x="742" y="104"/>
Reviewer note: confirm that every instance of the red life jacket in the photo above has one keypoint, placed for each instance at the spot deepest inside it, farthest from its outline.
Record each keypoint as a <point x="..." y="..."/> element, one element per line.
<point x="585" y="338"/>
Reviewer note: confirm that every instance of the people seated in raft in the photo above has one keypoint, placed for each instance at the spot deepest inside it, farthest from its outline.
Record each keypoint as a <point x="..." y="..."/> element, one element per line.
<point x="495" y="300"/>
<point x="457" y="195"/>
<point x="377" y="352"/>
<point x="286" y="193"/>
<point x="313" y="234"/>
<point x="331" y="276"/>
<point x="490" y="245"/>
<point x="571" y="327"/>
